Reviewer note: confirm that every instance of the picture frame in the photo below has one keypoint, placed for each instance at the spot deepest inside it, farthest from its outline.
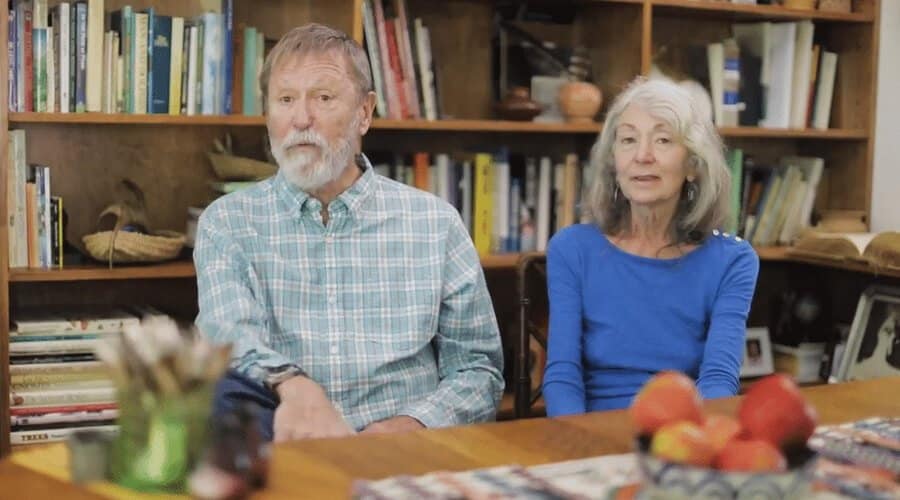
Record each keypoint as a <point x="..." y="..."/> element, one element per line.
<point x="873" y="345"/>
<point x="757" y="353"/>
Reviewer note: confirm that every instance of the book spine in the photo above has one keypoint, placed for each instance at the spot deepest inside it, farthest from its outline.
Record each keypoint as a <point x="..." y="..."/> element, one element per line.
<point x="74" y="367"/>
<point x="482" y="216"/>
<point x="249" y="73"/>
<point x="67" y="385"/>
<point x="52" y="347"/>
<point x="64" y="417"/>
<point x="139" y="54"/>
<point x="43" y="410"/>
<point x="176" y="62"/>
<point x="51" y="435"/>
<point x="27" y="55"/>
<point x="161" y="64"/>
<point x="39" y="68"/>
<point x="53" y="379"/>
<point x="11" y="47"/>
<point x="93" y="81"/>
<point x="34" y="399"/>
<point x="227" y="71"/>
<point x="81" y="42"/>
<point x="62" y="33"/>
<point x="55" y="243"/>
<point x="150" y="55"/>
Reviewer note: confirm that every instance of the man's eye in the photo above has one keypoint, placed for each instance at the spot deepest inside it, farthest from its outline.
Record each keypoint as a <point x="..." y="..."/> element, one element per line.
<point x="325" y="97"/>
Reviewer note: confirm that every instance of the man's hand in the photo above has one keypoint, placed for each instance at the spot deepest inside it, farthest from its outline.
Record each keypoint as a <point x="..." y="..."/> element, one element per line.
<point x="306" y="412"/>
<point x="400" y="423"/>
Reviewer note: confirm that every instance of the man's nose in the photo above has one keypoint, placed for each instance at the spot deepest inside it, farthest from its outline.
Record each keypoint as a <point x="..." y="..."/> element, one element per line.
<point x="301" y="118"/>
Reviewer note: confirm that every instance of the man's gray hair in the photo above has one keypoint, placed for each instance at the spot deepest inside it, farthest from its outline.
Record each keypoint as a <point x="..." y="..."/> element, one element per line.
<point x="318" y="38"/>
<point x="665" y="100"/>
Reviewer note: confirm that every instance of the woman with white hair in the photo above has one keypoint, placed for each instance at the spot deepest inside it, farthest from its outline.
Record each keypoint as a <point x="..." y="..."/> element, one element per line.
<point x="652" y="284"/>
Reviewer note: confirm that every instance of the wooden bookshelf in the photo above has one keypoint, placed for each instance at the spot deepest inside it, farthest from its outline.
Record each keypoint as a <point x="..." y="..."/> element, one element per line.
<point x="166" y="155"/>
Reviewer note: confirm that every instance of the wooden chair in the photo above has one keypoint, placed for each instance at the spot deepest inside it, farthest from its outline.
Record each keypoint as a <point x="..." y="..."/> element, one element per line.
<point x="530" y="348"/>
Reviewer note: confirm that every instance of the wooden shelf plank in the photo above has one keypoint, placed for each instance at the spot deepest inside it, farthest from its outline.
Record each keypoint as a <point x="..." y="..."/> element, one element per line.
<point x="772" y="253"/>
<point x="258" y="121"/>
<point x="411" y="125"/>
<point x="177" y="269"/>
<point x="781" y="133"/>
<point x="760" y="12"/>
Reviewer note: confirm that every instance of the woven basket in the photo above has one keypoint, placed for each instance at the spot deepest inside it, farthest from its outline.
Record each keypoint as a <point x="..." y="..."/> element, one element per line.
<point x="124" y="246"/>
<point x="236" y="168"/>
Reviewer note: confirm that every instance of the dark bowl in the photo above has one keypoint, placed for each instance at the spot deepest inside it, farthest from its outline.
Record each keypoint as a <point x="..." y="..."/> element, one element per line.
<point x="663" y="479"/>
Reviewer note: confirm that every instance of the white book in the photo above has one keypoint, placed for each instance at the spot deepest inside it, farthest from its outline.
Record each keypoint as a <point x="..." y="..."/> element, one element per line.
<point x="175" y="65"/>
<point x="39" y="14"/>
<point x="426" y="76"/>
<point x="715" y="57"/>
<point x="51" y="72"/>
<point x="52" y="347"/>
<point x="51" y="435"/>
<point x="442" y="173"/>
<point x="139" y="52"/>
<point x="465" y="192"/>
<point x="542" y="217"/>
<point x="501" y="203"/>
<point x="108" y="75"/>
<point x="16" y="206"/>
<point x="61" y="397"/>
<point x="94" y="77"/>
<point x="193" y="53"/>
<point x="811" y="168"/>
<point x="65" y="417"/>
<point x="61" y="33"/>
<point x="825" y="90"/>
<point x="800" y="79"/>
<point x="781" y="72"/>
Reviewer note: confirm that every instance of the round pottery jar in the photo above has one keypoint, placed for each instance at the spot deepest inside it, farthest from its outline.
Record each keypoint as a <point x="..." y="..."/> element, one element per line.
<point x="580" y="101"/>
<point x="517" y="105"/>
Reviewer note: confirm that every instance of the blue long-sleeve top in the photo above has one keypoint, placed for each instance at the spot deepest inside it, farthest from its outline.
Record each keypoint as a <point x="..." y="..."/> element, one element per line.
<point x="616" y="318"/>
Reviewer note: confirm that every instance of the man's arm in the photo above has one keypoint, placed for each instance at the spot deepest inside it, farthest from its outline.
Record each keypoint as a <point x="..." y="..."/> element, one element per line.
<point x="230" y="312"/>
<point x="469" y="352"/>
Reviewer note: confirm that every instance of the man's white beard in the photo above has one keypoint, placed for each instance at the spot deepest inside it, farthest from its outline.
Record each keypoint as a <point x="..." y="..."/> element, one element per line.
<point x="299" y="167"/>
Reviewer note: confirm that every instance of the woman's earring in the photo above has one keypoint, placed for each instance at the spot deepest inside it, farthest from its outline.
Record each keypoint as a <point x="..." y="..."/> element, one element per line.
<point x="691" y="191"/>
<point x="616" y="194"/>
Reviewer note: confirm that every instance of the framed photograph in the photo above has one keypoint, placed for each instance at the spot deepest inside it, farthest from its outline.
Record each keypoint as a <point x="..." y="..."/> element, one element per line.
<point x="757" y="353"/>
<point x="873" y="346"/>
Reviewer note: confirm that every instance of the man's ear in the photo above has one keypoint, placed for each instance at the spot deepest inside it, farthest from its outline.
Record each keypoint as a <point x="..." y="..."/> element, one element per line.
<point x="367" y="109"/>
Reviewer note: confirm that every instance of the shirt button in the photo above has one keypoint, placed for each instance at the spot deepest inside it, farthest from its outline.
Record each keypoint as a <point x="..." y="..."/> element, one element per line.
<point x="329" y="239"/>
<point x="332" y="298"/>
<point x="335" y="349"/>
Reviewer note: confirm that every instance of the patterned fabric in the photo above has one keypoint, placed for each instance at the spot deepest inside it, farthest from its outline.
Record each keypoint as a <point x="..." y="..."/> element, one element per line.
<point x="385" y="306"/>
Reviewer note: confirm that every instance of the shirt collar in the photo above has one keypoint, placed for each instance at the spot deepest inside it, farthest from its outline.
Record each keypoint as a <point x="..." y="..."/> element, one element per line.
<point x="352" y="198"/>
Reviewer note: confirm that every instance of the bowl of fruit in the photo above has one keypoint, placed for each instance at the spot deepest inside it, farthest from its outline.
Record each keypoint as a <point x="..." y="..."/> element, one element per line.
<point x="685" y="452"/>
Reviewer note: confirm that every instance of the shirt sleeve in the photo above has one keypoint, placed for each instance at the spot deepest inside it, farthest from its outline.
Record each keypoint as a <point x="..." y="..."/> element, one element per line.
<point x="724" y="350"/>
<point x="467" y="344"/>
<point x="563" y="385"/>
<point x="229" y="309"/>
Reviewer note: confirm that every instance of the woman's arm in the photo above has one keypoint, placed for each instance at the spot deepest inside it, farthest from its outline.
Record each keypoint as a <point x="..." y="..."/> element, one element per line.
<point x="724" y="351"/>
<point x="563" y="378"/>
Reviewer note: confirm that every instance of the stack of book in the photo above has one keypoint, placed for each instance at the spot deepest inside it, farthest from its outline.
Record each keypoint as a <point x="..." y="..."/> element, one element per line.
<point x="56" y="383"/>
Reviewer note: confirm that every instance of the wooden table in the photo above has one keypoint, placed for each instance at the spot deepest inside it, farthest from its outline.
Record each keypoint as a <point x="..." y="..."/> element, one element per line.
<point x="326" y="468"/>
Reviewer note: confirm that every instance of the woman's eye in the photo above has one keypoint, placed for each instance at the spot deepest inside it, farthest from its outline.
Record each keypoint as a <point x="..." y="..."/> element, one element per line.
<point x="627" y="140"/>
<point x="286" y="99"/>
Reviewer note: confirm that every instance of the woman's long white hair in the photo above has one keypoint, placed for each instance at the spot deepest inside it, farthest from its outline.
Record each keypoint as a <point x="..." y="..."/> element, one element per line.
<point x="665" y="100"/>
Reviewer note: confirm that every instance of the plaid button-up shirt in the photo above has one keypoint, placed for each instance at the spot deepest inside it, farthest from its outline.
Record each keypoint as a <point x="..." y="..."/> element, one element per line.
<point x="385" y="306"/>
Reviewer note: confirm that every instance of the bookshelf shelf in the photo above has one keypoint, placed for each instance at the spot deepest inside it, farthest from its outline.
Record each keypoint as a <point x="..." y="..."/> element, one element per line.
<point x="756" y="12"/>
<point x="177" y="269"/>
<point x="168" y="270"/>
<point x="412" y="125"/>
<point x="781" y="133"/>
<point x="258" y="121"/>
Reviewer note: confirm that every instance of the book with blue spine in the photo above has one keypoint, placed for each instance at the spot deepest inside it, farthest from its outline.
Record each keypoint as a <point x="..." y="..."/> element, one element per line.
<point x="160" y="65"/>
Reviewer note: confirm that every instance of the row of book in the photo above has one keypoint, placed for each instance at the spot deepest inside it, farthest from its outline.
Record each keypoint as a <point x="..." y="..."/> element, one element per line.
<point x="56" y="383"/>
<point x="76" y="58"/>
<point x="769" y="75"/>
<point x="777" y="201"/>
<point x="36" y="237"/>
<point x="402" y="62"/>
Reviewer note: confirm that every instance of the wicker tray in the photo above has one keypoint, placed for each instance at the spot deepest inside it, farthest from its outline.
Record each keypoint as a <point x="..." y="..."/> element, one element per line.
<point x="124" y="246"/>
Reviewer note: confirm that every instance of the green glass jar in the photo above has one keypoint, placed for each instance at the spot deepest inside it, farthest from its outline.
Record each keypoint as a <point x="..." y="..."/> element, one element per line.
<point x="160" y="438"/>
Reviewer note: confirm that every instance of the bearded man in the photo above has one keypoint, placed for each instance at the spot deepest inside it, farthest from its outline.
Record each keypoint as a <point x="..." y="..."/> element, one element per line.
<point x="353" y="303"/>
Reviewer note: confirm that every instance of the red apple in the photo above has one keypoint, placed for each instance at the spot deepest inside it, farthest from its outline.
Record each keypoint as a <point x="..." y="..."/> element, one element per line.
<point x="667" y="397"/>
<point x="774" y="410"/>
<point x="752" y="455"/>
<point x="721" y="430"/>
<point x="683" y="442"/>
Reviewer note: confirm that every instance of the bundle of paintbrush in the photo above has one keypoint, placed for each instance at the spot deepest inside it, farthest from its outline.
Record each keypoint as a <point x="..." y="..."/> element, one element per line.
<point x="158" y="357"/>
<point x="166" y="379"/>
